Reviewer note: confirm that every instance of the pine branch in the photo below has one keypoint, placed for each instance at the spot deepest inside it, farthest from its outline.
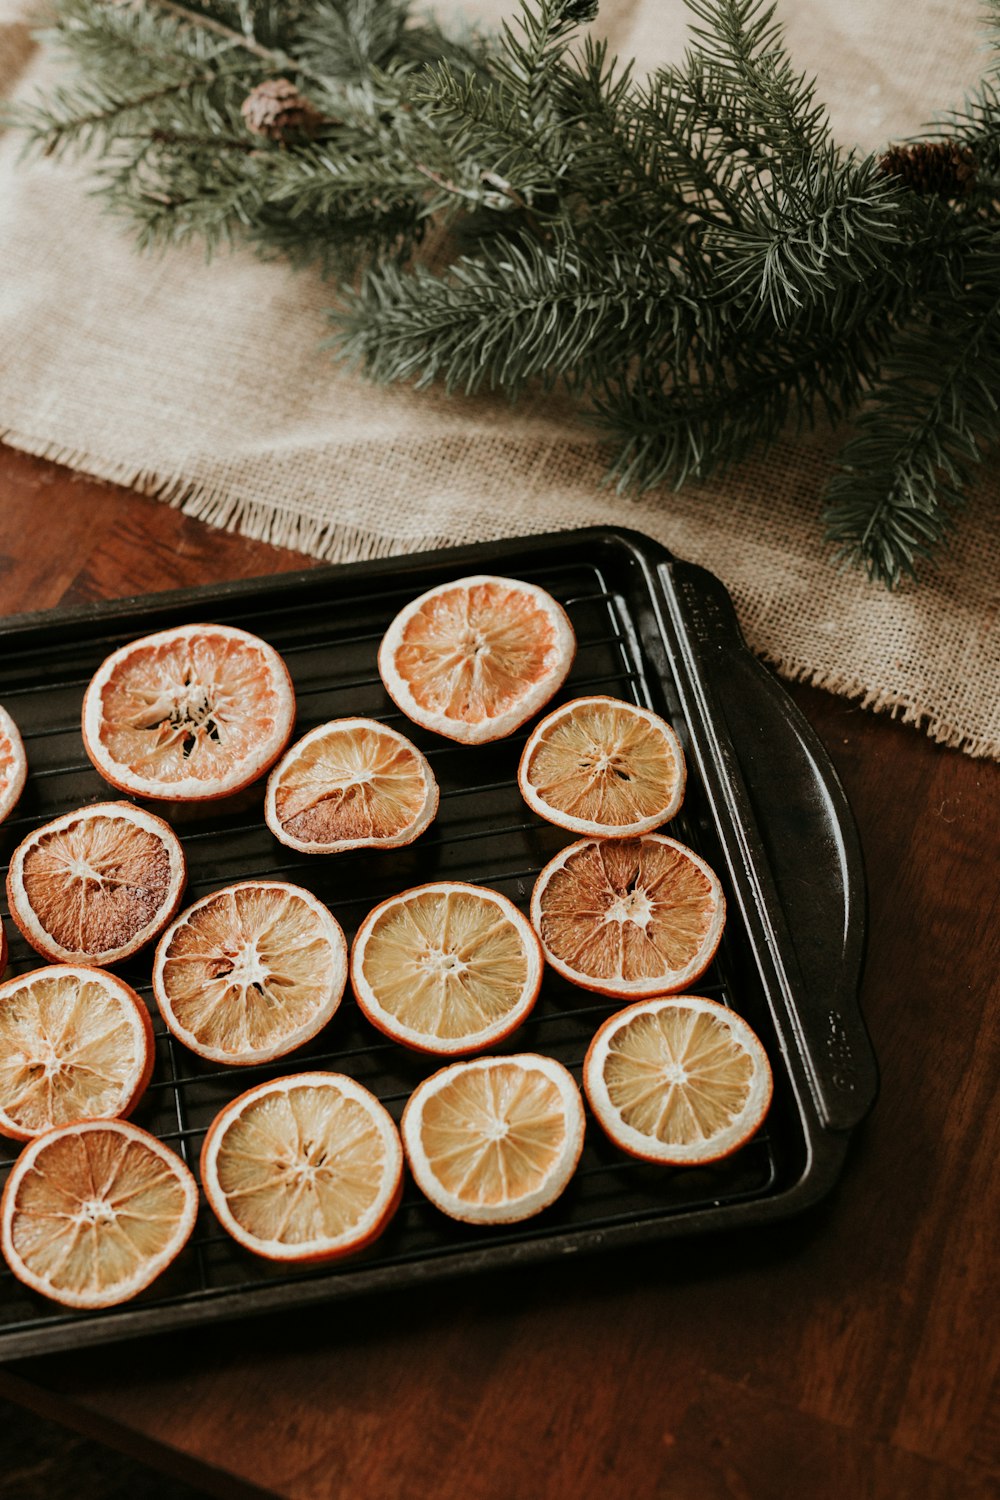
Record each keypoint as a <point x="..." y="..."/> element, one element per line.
<point x="932" y="415"/>
<point x="690" y="254"/>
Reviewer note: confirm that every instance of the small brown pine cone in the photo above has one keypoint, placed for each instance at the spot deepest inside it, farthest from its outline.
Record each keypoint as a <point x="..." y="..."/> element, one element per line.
<point x="941" y="167"/>
<point x="275" y="109"/>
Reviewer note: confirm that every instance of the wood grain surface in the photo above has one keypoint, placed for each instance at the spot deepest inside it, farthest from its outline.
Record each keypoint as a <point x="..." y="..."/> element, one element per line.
<point x="849" y="1354"/>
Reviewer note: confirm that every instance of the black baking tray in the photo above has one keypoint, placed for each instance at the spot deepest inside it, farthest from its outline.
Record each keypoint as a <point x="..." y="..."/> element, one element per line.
<point x="763" y="806"/>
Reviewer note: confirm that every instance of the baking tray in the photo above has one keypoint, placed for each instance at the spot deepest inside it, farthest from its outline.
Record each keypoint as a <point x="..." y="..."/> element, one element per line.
<point x="763" y="806"/>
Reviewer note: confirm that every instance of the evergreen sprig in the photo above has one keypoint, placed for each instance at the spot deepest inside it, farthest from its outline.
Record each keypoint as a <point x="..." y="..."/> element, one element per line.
<point x="691" y="253"/>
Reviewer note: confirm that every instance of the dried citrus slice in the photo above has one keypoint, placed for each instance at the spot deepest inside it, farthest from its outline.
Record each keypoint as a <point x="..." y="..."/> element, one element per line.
<point x="495" y="1140"/>
<point x="446" y="968"/>
<point x="95" y="1211"/>
<point x="474" y="659"/>
<point x="96" y="884"/>
<point x="629" y="917"/>
<point x="13" y="764"/>
<point x="304" y="1168"/>
<point x="194" y="712"/>
<point x="682" y="1081"/>
<point x="250" y="972"/>
<point x="75" y="1044"/>
<point x="601" y="766"/>
<point x="350" y="784"/>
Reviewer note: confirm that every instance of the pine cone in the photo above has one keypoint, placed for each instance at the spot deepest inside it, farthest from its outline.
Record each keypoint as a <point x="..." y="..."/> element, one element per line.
<point x="940" y="167"/>
<point x="276" y="109"/>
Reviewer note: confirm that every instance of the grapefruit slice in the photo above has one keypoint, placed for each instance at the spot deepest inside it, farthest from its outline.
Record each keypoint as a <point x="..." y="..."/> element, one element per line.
<point x="195" y="712"/>
<point x="93" y="1212"/>
<point x="306" y="1168"/>
<point x="446" y="968"/>
<point x="603" y="767"/>
<point x="629" y="917"/>
<point x="13" y="764"/>
<point x="95" y="885"/>
<point x="474" y="659"/>
<point x="250" y="972"/>
<point x="682" y="1081"/>
<point x="75" y="1044"/>
<point x="350" y="784"/>
<point x="495" y="1140"/>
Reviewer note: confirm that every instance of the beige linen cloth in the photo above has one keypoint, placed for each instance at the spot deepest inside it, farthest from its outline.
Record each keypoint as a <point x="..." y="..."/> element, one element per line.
<point x="205" y="384"/>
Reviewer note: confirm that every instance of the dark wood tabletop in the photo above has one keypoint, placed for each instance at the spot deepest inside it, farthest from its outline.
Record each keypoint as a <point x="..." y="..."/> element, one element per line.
<point x="849" y="1353"/>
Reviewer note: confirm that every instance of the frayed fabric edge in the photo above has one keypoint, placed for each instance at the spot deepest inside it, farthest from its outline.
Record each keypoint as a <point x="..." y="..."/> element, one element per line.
<point x="977" y="747"/>
<point x="334" y="542"/>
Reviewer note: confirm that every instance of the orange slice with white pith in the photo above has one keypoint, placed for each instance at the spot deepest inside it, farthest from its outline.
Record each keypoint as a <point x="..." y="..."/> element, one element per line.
<point x="75" y="1044"/>
<point x="304" y="1168"/>
<point x="475" y="659"/>
<point x="603" y="767"/>
<point x="447" y="967"/>
<point x="250" y="972"/>
<point x="629" y="917"/>
<point x="683" y="1081"/>
<point x="96" y="884"/>
<point x="495" y="1140"/>
<point x="13" y="764"/>
<point x="350" y="784"/>
<point x="93" y="1212"/>
<point x="187" y="714"/>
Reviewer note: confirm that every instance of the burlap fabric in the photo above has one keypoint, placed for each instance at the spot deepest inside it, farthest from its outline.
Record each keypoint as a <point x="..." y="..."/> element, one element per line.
<point x="206" y="385"/>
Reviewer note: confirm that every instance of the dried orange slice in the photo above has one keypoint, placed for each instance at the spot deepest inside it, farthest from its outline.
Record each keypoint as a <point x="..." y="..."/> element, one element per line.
<point x="96" y="884"/>
<point x="601" y="766"/>
<point x="683" y="1081"/>
<point x="250" y="972"/>
<point x="75" y="1044"/>
<point x="305" y="1168"/>
<point x="446" y="968"/>
<point x="94" y="1212"/>
<point x="13" y="764"/>
<point x="190" y="713"/>
<point x="474" y="659"/>
<point x="350" y="784"/>
<point x="629" y="917"/>
<point x="495" y="1140"/>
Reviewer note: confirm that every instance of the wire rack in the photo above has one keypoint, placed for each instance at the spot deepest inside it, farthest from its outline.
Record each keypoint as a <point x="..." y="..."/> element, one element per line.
<point x="483" y="833"/>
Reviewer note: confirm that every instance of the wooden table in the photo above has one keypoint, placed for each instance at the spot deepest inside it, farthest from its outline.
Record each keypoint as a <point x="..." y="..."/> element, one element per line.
<point x="848" y="1354"/>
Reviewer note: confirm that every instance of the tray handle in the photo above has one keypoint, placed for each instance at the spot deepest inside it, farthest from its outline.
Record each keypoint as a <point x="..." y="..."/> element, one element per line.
<point x="790" y="838"/>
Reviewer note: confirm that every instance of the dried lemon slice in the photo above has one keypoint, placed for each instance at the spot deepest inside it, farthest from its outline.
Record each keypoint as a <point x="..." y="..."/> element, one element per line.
<point x="303" y="1168"/>
<point x="682" y="1081"/>
<point x="75" y="1044"/>
<point x="495" y="1140"/>
<point x="94" y="1212"/>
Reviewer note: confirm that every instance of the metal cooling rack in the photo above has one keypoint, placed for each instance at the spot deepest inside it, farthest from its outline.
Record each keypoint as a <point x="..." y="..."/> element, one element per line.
<point x="327" y="625"/>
